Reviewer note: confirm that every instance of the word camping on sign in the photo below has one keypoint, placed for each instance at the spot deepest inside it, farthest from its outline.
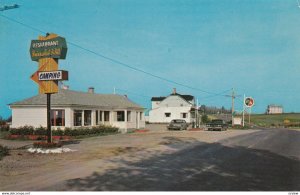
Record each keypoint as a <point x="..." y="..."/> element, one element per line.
<point x="53" y="75"/>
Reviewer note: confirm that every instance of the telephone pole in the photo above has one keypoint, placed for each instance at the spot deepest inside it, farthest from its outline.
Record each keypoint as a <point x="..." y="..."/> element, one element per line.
<point x="233" y="96"/>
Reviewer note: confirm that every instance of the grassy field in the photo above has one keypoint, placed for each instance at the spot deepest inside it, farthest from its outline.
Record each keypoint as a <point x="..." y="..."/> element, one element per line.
<point x="274" y="119"/>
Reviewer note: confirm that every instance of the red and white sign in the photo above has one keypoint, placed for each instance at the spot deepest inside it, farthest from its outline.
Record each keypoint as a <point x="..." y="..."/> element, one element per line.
<point x="249" y="102"/>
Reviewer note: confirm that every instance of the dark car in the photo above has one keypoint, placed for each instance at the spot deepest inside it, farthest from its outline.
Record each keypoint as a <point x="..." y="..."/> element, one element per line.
<point x="217" y="124"/>
<point x="177" y="124"/>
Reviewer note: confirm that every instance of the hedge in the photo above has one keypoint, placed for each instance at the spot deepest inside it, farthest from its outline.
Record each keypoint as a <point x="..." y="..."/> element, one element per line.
<point x="98" y="130"/>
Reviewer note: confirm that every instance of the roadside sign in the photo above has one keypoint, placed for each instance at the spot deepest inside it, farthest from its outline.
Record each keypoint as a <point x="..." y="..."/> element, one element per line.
<point x="249" y="102"/>
<point x="53" y="47"/>
<point x="53" y="75"/>
<point x="49" y="86"/>
<point x="47" y="50"/>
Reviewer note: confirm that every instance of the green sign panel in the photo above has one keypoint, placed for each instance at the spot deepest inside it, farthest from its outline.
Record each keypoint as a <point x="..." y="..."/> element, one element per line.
<point x="51" y="48"/>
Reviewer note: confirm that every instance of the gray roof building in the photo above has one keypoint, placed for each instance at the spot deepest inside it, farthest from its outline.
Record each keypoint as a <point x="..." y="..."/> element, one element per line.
<point x="74" y="109"/>
<point x="75" y="98"/>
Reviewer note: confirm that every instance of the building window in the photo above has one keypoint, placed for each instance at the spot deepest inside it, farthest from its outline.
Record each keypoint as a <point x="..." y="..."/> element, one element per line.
<point x="57" y="117"/>
<point x="106" y="116"/>
<point x="120" y="116"/>
<point x="141" y="116"/>
<point x="129" y="116"/>
<point x="77" y="117"/>
<point x="183" y="115"/>
<point x="168" y="114"/>
<point x="87" y="117"/>
<point x="98" y="117"/>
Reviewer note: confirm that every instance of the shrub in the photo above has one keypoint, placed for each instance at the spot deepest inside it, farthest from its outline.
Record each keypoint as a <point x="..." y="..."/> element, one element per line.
<point x="82" y="131"/>
<point x="58" y="132"/>
<point x="3" y="151"/>
<point x="46" y="145"/>
<point x="40" y="131"/>
<point x="4" y="127"/>
<point x="25" y="130"/>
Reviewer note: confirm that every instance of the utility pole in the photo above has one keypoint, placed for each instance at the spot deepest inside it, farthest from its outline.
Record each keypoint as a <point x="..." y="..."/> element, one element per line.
<point x="244" y="110"/>
<point x="233" y="96"/>
<point x="232" y="106"/>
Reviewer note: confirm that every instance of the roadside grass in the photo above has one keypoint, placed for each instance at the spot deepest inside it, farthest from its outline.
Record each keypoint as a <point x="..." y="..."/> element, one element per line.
<point x="269" y="120"/>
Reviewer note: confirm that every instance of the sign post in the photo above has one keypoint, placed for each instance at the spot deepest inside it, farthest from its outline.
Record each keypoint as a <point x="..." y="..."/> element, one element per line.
<point x="248" y="102"/>
<point x="46" y="51"/>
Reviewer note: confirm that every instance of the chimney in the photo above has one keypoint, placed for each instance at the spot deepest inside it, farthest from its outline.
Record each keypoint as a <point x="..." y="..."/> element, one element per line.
<point x="174" y="91"/>
<point x="91" y="90"/>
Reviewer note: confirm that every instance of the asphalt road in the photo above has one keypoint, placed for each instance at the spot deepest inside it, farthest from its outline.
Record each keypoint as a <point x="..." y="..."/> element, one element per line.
<point x="234" y="160"/>
<point x="265" y="160"/>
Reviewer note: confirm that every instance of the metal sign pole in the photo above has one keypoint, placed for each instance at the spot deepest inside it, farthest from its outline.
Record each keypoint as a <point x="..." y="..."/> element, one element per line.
<point x="244" y="110"/>
<point x="249" y="115"/>
<point x="49" y="132"/>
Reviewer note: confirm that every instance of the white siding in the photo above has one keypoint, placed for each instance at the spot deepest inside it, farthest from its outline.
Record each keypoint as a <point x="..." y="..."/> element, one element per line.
<point x="68" y="117"/>
<point x="155" y="104"/>
<point x="174" y="101"/>
<point x="37" y="116"/>
<point x="158" y="115"/>
<point x="173" y="104"/>
<point x="29" y="116"/>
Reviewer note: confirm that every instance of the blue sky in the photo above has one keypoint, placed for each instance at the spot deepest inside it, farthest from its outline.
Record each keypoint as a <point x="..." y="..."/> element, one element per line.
<point x="252" y="46"/>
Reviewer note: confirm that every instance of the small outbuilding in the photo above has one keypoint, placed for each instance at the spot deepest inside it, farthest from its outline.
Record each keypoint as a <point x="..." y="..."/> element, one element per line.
<point x="76" y="109"/>
<point x="274" y="109"/>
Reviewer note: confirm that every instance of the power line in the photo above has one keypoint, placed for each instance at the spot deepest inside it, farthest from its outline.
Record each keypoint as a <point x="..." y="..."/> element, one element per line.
<point x="113" y="60"/>
<point x="133" y="93"/>
<point x="218" y="94"/>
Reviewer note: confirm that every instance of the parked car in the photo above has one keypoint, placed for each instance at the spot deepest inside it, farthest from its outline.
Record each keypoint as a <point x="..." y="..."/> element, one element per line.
<point x="217" y="124"/>
<point x="177" y="124"/>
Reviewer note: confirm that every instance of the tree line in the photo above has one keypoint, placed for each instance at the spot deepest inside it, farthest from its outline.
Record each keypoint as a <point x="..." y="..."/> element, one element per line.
<point x="213" y="110"/>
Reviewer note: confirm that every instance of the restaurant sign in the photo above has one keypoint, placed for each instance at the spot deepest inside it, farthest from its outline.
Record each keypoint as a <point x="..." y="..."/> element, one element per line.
<point x="50" y="48"/>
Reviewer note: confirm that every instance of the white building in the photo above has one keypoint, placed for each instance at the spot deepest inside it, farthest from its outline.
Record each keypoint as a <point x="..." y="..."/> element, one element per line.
<point x="174" y="106"/>
<point x="75" y="109"/>
<point x="274" y="109"/>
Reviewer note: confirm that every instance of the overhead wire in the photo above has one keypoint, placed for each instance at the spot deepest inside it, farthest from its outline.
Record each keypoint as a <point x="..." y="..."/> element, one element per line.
<point x="116" y="61"/>
<point x="133" y="93"/>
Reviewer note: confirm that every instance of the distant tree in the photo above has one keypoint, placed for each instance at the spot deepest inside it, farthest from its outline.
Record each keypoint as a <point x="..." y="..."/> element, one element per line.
<point x="202" y="109"/>
<point x="204" y="118"/>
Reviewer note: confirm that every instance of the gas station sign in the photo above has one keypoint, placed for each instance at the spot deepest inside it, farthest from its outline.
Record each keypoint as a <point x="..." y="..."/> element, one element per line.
<point x="249" y="101"/>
